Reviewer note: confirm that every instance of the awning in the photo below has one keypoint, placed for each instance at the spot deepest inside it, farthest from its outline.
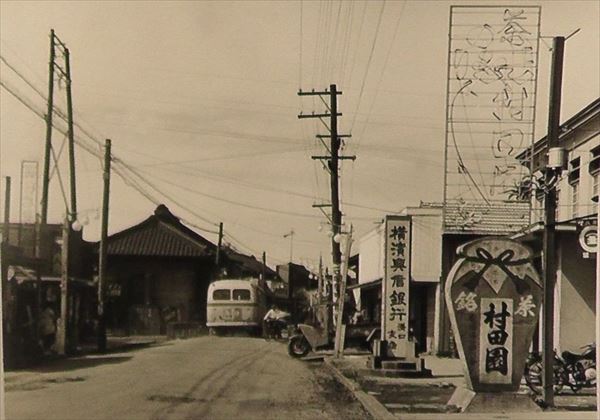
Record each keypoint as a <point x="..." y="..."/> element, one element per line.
<point x="22" y="274"/>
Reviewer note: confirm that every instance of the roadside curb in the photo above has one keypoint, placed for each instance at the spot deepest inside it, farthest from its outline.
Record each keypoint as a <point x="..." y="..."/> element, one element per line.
<point x="369" y="403"/>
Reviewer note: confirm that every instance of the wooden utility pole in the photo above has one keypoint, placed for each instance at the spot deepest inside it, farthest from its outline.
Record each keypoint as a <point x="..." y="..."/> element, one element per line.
<point x="321" y="284"/>
<point x="103" y="247"/>
<point x="290" y="235"/>
<point x="6" y="230"/>
<point x="333" y="168"/>
<point x="71" y="135"/>
<point x="336" y="214"/>
<point x="46" y="174"/>
<point x="549" y="242"/>
<point x="264" y="266"/>
<point x="219" y="244"/>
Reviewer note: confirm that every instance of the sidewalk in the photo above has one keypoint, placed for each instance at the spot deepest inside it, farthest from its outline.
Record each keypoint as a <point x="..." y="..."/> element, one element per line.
<point x="426" y="398"/>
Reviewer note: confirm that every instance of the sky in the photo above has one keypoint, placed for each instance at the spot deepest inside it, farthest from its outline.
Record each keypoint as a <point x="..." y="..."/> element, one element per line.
<point x="200" y="102"/>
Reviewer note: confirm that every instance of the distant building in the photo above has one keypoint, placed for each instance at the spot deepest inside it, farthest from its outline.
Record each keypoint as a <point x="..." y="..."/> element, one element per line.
<point x="31" y="279"/>
<point x="432" y="254"/>
<point x="296" y="280"/>
<point x="158" y="271"/>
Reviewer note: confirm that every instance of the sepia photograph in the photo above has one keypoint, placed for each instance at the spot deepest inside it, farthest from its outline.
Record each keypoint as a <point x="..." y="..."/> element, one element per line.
<point x="299" y="209"/>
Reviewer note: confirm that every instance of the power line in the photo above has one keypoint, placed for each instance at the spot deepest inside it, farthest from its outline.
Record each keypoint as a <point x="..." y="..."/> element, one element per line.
<point x="127" y="179"/>
<point x="362" y="87"/>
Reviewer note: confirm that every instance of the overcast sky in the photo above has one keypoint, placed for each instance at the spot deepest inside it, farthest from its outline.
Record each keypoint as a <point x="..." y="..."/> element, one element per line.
<point x="200" y="98"/>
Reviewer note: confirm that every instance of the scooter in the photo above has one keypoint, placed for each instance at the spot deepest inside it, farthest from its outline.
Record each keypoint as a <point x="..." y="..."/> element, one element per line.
<point x="304" y="338"/>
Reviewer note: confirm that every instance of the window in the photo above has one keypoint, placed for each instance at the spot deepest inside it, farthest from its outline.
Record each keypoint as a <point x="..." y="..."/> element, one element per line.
<point x="594" y="169"/>
<point x="574" y="173"/>
<point x="241" y="294"/>
<point x="538" y="206"/>
<point x="222" y="294"/>
<point x="574" y="170"/>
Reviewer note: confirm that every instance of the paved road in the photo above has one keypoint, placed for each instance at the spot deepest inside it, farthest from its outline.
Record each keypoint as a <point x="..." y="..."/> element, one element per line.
<point x="201" y="378"/>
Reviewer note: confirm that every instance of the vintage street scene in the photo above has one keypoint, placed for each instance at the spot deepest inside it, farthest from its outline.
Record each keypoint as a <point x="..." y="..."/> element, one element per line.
<point x="299" y="209"/>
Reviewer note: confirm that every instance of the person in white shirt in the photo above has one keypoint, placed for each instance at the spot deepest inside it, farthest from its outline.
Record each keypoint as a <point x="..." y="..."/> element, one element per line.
<point x="274" y="321"/>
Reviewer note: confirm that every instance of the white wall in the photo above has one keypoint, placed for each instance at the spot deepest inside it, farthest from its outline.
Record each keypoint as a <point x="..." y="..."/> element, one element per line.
<point x="426" y="248"/>
<point x="371" y="256"/>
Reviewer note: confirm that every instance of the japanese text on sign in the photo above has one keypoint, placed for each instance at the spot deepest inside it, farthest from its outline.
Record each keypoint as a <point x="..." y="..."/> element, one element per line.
<point x="495" y="339"/>
<point x="396" y="285"/>
<point x="492" y="73"/>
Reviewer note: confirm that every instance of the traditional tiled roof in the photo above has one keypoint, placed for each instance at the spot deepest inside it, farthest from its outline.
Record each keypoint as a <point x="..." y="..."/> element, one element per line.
<point x="160" y="235"/>
<point x="496" y="218"/>
<point x="249" y="263"/>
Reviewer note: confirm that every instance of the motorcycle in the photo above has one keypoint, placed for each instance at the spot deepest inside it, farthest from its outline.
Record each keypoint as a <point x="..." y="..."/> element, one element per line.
<point x="574" y="370"/>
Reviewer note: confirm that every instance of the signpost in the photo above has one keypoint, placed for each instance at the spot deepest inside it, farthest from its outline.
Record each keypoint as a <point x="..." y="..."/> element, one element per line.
<point x="394" y="329"/>
<point x="494" y="294"/>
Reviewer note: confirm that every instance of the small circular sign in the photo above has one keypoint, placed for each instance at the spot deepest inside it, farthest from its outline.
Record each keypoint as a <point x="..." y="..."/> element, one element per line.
<point x="588" y="239"/>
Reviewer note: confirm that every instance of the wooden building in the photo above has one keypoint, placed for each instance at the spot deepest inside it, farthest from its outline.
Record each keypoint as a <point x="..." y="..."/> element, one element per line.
<point x="158" y="272"/>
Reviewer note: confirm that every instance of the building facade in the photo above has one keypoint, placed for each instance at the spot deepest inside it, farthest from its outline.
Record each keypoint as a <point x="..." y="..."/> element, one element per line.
<point x="425" y="271"/>
<point x="576" y="217"/>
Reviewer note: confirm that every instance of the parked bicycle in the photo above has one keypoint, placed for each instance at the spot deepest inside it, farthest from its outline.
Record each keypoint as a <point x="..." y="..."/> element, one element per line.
<point x="574" y="370"/>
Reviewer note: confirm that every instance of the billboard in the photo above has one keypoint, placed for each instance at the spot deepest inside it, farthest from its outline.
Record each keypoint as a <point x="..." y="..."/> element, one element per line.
<point x="490" y="104"/>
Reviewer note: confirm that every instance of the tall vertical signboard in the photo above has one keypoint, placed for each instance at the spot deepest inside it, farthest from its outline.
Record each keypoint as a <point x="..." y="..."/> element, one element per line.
<point x="29" y="189"/>
<point x="396" y="286"/>
<point x="490" y="109"/>
<point x="494" y="294"/>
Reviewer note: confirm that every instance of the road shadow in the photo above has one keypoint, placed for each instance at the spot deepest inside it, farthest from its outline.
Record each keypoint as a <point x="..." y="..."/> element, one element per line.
<point x="75" y="363"/>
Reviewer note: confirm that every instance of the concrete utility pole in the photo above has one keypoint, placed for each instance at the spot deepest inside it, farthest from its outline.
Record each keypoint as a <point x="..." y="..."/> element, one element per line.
<point x="332" y="167"/>
<point x="597" y="303"/>
<point x="549" y="242"/>
<point x="62" y="332"/>
<point x="103" y="247"/>
<point x="46" y="174"/>
<point x="2" y="282"/>
<point x="340" y="331"/>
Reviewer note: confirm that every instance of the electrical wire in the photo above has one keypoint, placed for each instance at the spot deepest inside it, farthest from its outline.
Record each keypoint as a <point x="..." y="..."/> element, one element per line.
<point x="362" y="87"/>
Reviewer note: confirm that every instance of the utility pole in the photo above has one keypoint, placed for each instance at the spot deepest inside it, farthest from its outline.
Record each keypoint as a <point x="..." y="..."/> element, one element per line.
<point x="340" y="331"/>
<point x="549" y="244"/>
<point x="64" y="73"/>
<point x="333" y="168"/>
<point x="321" y="283"/>
<point x="46" y="174"/>
<point x="219" y="244"/>
<point x="71" y="135"/>
<point x="6" y="230"/>
<point x="103" y="248"/>
<point x="62" y="332"/>
<point x="290" y="235"/>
